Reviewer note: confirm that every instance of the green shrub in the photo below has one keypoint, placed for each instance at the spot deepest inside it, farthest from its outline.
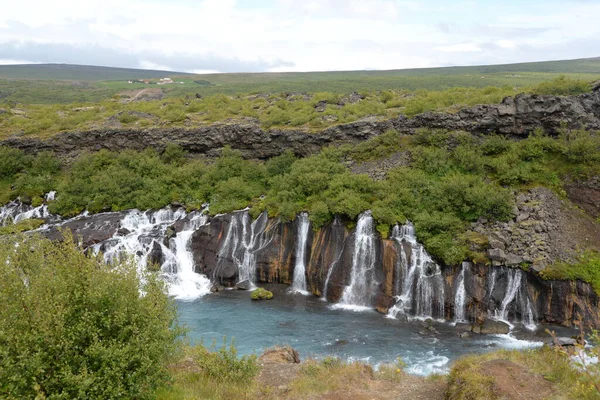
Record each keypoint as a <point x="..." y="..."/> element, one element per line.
<point x="563" y="86"/>
<point x="12" y="161"/>
<point x="586" y="268"/>
<point x="72" y="327"/>
<point x="224" y="365"/>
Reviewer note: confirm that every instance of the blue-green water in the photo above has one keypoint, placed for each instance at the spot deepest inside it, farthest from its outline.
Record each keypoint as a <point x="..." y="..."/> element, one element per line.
<point x="313" y="328"/>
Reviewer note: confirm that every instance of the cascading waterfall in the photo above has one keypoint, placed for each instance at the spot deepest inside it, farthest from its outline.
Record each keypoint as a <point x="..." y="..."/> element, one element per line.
<point x="516" y="296"/>
<point x="362" y="274"/>
<point x="184" y="282"/>
<point x="299" y="281"/>
<point x="242" y="241"/>
<point x="16" y="211"/>
<point x="146" y="231"/>
<point x="460" y="296"/>
<point x="422" y="288"/>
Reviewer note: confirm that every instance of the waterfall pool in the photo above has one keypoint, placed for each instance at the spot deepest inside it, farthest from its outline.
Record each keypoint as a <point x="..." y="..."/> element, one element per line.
<point x="316" y="329"/>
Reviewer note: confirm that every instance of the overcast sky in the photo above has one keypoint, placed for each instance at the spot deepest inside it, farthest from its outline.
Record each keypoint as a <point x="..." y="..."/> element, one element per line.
<point x="296" y="35"/>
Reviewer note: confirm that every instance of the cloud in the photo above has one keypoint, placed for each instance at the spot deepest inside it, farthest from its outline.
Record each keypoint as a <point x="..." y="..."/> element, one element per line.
<point x="296" y="35"/>
<point x="102" y="56"/>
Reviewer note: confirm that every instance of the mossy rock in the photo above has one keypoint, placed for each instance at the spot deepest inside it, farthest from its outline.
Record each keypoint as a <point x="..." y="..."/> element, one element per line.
<point x="261" y="294"/>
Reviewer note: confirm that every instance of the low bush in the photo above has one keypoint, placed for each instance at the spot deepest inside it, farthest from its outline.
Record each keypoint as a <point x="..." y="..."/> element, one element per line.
<point x="586" y="268"/>
<point x="72" y="327"/>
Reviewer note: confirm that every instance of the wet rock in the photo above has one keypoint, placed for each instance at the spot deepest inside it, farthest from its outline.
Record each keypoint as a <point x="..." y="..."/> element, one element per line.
<point x="123" y="232"/>
<point x="156" y="257"/>
<point x="244" y="285"/>
<point x="491" y="326"/>
<point x="171" y="232"/>
<point x="217" y="288"/>
<point x="90" y="230"/>
<point x="463" y="335"/>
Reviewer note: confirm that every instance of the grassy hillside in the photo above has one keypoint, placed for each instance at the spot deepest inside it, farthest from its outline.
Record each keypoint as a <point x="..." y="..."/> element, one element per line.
<point x="310" y="111"/>
<point x="45" y="84"/>
<point x="77" y="72"/>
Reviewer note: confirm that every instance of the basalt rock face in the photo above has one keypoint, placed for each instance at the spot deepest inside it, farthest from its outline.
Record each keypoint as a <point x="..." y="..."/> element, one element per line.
<point x="232" y="243"/>
<point x="90" y="230"/>
<point x="403" y="280"/>
<point x="551" y="301"/>
<point x="491" y="293"/>
<point x="514" y="116"/>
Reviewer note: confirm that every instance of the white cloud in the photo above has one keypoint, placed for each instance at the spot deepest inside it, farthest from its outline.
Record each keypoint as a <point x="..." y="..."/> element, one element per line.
<point x="460" y="48"/>
<point x="294" y="35"/>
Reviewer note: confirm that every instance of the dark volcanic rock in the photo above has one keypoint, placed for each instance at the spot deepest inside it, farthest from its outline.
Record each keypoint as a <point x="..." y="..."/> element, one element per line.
<point x="516" y="116"/>
<point x="90" y="230"/>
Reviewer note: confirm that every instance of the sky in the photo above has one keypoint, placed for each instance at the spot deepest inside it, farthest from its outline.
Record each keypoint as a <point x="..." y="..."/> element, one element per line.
<point x="206" y="36"/>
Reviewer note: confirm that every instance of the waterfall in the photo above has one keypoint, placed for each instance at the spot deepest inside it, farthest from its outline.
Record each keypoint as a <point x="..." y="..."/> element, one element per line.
<point x="299" y="282"/>
<point x="185" y="283"/>
<point x="512" y="288"/>
<point x="144" y="240"/>
<point x="242" y="241"/>
<point x="516" y="295"/>
<point x="460" y="296"/>
<point x="16" y="211"/>
<point x="422" y="288"/>
<point x="362" y="274"/>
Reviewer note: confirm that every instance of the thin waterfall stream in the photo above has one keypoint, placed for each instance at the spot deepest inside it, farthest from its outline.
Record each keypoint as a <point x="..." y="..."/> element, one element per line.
<point x="362" y="274"/>
<point x="299" y="284"/>
<point x="422" y="288"/>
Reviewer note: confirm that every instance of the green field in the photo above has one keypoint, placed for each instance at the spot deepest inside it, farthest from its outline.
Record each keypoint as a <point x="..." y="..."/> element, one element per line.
<point x="46" y="84"/>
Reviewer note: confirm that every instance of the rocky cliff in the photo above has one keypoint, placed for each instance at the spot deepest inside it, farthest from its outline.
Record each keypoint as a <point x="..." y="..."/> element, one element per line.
<point x="514" y="116"/>
<point x="490" y="291"/>
<point x="394" y="275"/>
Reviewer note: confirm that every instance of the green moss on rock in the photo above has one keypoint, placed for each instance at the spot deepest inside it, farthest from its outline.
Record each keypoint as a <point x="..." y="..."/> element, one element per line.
<point x="261" y="294"/>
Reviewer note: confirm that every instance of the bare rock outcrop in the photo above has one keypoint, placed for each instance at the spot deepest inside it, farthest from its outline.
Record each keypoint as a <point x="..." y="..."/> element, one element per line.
<point x="514" y="116"/>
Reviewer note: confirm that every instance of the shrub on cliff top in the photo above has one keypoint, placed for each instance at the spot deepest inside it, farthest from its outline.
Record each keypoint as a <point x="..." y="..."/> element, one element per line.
<point x="72" y="327"/>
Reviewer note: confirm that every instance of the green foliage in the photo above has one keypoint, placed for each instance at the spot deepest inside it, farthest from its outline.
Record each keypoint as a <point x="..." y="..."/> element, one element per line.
<point x="376" y="148"/>
<point x="586" y="268"/>
<point x="12" y="161"/>
<point x="73" y="327"/>
<point x="563" y="86"/>
<point x="223" y="365"/>
<point x="261" y="294"/>
<point x="453" y="179"/>
<point x="21" y="226"/>
<point x="273" y="108"/>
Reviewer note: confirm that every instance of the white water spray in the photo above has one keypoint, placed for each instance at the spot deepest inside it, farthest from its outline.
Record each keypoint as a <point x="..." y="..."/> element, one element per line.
<point x="299" y="282"/>
<point x="460" y="296"/>
<point x="422" y="288"/>
<point x="362" y="275"/>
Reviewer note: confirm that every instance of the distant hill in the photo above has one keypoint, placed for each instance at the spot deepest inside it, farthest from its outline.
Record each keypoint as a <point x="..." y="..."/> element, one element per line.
<point x="78" y="72"/>
<point x="64" y="83"/>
